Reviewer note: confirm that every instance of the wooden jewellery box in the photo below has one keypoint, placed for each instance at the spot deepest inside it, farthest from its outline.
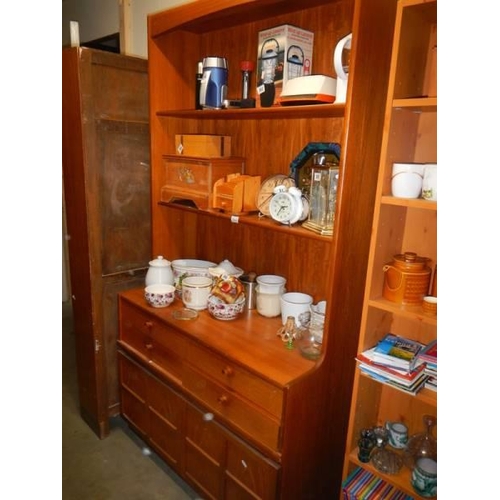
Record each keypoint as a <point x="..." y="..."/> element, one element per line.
<point x="192" y="178"/>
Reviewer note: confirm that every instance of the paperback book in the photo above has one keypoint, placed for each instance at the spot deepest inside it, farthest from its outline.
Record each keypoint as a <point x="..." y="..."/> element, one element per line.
<point x="398" y="352"/>
<point x="413" y="389"/>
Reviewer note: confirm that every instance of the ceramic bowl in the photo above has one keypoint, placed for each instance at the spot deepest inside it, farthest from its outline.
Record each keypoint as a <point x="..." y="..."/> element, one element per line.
<point x="183" y="268"/>
<point x="159" y="295"/>
<point x="223" y="311"/>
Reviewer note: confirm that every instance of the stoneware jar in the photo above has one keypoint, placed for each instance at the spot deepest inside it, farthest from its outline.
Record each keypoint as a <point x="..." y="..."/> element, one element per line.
<point x="407" y="279"/>
<point x="160" y="272"/>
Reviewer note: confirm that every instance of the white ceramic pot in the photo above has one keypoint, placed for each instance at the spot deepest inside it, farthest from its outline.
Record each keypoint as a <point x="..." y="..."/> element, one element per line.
<point x="407" y="179"/>
<point x="271" y="283"/>
<point x="160" y="272"/>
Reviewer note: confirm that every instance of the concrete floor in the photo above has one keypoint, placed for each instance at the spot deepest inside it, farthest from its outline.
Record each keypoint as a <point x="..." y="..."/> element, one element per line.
<point x="115" y="468"/>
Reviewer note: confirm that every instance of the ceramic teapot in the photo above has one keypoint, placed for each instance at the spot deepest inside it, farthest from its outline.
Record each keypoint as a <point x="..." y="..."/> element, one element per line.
<point x="160" y="272"/>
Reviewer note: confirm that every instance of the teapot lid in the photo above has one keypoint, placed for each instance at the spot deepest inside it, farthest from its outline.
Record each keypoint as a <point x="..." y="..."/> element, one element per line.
<point x="160" y="262"/>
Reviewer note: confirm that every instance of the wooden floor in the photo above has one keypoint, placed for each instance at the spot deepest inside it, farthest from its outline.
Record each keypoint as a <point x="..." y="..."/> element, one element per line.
<point x="116" y="468"/>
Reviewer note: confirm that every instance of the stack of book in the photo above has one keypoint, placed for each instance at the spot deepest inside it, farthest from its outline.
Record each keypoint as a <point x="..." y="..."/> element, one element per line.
<point x="428" y="355"/>
<point x="394" y="361"/>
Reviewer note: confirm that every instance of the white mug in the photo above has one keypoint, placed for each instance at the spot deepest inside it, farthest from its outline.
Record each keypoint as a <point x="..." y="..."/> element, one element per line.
<point x="406" y="181"/>
<point x="298" y="305"/>
<point x="195" y="292"/>
<point x="429" y="183"/>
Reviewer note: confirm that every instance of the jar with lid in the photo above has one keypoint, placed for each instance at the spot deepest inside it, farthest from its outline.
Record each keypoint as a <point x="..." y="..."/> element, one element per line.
<point x="160" y="272"/>
<point x="407" y="279"/>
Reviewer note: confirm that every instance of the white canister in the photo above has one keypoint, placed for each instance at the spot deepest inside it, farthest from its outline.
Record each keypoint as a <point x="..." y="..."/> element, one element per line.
<point x="406" y="181"/>
<point x="268" y="303"/>
<point x="429" y="183"/>
<point x="160" y="272"/>
<point x="298" y="305"/>
<point x="271" y="283"/>
<point x="195" y="292"/>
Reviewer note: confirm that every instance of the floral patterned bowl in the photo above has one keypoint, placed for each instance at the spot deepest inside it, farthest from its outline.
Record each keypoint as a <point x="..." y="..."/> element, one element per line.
<point x="220" y="310"/>
<point x="159" y="295"/>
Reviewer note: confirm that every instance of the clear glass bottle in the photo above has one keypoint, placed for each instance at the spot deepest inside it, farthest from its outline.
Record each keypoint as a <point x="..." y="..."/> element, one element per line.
<point x="422" y="444"/>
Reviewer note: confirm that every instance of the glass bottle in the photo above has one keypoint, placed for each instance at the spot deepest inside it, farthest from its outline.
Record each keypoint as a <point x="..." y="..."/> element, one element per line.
<point x="384" y="460"/>
<point x="422" y="444"/>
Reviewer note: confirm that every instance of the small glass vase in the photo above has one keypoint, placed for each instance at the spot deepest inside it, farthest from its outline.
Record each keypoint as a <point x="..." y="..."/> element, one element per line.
<point x="422" y="444"/>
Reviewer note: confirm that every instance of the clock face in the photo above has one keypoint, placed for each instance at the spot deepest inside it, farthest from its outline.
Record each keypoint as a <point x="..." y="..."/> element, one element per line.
<point x="282" y="207"/>
<point x="266" y="193"/>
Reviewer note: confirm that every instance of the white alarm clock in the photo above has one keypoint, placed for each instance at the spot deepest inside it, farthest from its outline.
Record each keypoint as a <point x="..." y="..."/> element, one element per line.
<point x="288" y="206"/>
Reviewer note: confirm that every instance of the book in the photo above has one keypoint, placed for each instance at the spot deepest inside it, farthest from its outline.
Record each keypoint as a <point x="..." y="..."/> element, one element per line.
<point x="402" y="376"/>
<point x="412" y="389"/>
<point x="431" y="383"/>
<point x="398" y="351"/>
<point x="429" y="353"/>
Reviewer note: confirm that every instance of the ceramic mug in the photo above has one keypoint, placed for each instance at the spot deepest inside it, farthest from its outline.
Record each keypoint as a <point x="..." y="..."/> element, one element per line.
<point x="398" y="434"/>
<point x="424" y="477"/>
<point x="429" y="182"/>
<point x="195" y="292"/>
<point x="406" y="181"/>
<point x="298" y="305"/>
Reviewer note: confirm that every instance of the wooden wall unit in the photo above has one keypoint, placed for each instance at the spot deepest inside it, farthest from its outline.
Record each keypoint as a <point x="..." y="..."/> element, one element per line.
<point x="307" y="452"/>
<point x="106" y="170"/>
<point x="400" y="225"/>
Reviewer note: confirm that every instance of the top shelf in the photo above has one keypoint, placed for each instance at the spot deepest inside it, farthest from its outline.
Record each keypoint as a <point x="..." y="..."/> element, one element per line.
<point x="204" y="17"/>
<point x="278" y="112"/>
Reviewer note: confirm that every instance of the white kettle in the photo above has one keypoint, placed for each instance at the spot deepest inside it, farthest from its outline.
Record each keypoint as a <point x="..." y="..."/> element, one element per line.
<point x="341" y="58"/>
<point x="160" y="272"/>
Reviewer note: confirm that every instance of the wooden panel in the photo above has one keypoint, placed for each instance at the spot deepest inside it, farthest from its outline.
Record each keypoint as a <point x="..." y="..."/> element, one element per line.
<point x="112" y="285"/>
<point x="124" y="195"/>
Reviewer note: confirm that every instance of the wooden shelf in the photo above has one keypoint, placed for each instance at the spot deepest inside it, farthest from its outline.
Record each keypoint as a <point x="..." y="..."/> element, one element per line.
<point x="309" y="111"/>
<point x="406" y="202"/>
<point x="416" y="103"/>
<point x="411" y="312"/>
<point x="253" y="220"/>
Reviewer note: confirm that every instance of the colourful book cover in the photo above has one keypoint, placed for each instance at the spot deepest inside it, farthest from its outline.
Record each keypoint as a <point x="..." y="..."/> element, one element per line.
<point x="398" y="350"/>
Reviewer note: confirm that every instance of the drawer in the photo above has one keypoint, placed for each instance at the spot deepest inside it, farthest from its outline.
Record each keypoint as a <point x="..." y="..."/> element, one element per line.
<point x="248" y="468"/>
<point x="133" y="394"/>
<point x="166" y="415"/>
<point x="228" y="404"/>
<point x="237" y="379"/>
<point x="205" y="454"/>
<point x="152" y="339"/>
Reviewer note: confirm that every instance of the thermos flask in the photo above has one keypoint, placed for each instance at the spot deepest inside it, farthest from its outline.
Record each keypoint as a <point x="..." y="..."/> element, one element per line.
<point x="213" y="89"/>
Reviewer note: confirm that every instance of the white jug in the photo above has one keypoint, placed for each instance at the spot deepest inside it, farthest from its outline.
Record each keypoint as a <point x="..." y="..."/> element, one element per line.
<point x="160" y="272"/>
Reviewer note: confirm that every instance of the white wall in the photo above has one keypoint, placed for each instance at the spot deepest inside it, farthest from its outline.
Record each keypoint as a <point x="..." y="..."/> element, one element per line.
<point x="99" y="18"/>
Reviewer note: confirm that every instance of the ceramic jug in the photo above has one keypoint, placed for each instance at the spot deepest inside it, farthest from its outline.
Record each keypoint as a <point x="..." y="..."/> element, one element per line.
<point x="160" y="272"/>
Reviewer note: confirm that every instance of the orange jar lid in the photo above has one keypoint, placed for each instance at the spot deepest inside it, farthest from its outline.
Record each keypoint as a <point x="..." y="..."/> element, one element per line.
<point x="410" y="261"/>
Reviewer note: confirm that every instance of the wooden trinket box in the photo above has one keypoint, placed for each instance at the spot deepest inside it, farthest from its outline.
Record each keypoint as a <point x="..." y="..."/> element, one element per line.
<point x="193" y="178"/>
<point x="236" y="193"/>
<point x="203" y="145"/>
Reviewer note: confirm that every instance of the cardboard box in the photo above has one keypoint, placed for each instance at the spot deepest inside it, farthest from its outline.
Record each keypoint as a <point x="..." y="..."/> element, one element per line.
<point x="192" y="179"/>
<point x="204" y="146"/>
<point x="284" y="52"/>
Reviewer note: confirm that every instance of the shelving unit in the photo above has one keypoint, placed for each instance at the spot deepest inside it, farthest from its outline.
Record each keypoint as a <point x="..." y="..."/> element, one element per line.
<point x="303" y="460"/>
<point x="400" y="225"/>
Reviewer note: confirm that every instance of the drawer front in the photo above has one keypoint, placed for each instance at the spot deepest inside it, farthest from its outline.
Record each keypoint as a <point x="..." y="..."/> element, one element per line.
<point x="235" y="378"/>
<point x="166" y="415"/>
<point x="226" y="403"/>
<point x="153" y="340"/>
<point x="205" y="453"/>
<point x="248" y="469"/>
<point x="133" y="394"/>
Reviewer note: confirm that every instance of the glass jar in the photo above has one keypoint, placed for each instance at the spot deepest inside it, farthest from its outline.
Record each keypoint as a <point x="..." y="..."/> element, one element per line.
<point x="422" y="444"/>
